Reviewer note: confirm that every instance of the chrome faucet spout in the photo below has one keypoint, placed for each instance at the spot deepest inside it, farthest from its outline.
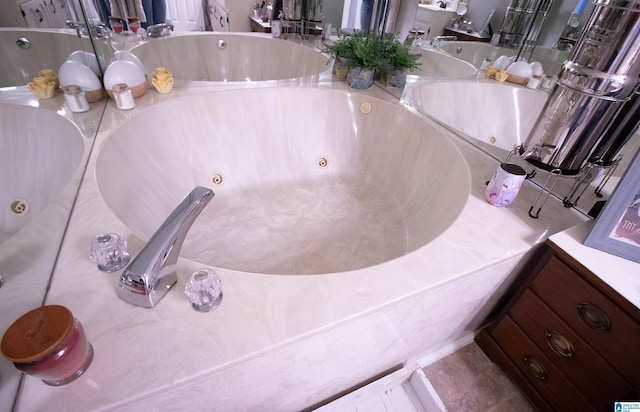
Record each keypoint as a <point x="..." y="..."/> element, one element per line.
<point x="159" y="30"/>
<point x="153" y="271"/>
<point x="435" y="42"/>
<point x="93" y="30"/>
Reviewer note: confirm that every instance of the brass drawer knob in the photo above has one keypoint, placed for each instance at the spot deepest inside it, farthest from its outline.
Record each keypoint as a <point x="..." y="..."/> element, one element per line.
<point x="559" y="344"/>
<point x="535" y="368"/>
<point x="594" y="317"/>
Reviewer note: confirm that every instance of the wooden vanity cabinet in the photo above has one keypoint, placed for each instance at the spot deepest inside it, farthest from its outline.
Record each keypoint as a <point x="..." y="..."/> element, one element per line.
<point x="567" y="339"/>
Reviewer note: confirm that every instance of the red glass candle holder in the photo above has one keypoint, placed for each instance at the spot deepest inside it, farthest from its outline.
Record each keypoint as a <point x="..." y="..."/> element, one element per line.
<point x="48" y="343"/>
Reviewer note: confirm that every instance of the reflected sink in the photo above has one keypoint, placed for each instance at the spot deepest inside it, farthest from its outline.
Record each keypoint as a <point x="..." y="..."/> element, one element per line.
<point x="495" y="116"/>
<point x="301" y="190"/>
<point x="39" y="153"/>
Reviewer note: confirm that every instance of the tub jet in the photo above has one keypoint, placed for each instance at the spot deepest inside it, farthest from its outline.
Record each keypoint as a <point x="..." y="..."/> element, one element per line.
<point x="19" y="207"/>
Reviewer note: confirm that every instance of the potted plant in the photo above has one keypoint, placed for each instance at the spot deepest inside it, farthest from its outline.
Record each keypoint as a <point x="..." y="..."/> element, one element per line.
<point x="367" y="55"/>
<point x="341" y="50"/>
<point x="398" y="61"/>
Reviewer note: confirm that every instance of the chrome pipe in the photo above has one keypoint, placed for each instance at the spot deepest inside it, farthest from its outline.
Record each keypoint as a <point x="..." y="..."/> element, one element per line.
<point x="600" y="75"/>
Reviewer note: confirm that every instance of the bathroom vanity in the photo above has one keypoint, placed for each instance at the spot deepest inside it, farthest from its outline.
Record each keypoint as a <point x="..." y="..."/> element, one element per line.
<point x="570" y="336"/>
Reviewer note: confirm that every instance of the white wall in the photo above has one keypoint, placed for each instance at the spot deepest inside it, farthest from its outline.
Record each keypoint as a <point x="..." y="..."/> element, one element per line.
<point x="238" y="13"/>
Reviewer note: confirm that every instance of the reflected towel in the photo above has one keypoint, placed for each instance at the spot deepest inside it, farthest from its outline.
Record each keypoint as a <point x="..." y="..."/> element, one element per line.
<point x="133" y="8"/>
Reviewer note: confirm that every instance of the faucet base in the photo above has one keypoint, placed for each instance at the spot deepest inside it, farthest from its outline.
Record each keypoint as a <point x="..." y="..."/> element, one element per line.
<point x="152" y="297"/>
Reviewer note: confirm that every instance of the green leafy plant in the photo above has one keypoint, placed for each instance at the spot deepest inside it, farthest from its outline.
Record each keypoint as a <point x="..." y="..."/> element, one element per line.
<point x="398" y="55"/>
<point x="382" y="52"/>
<point x="344" y="46"/>
<point x="369" y="52"/>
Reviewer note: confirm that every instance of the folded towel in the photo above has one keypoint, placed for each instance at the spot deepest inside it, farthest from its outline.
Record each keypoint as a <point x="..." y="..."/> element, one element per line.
<point x="132" y="9"/>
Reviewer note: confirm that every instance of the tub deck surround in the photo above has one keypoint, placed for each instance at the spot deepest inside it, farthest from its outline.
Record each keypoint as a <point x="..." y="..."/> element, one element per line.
<point x="27" y="258"/>
<point x="282" y="327"/>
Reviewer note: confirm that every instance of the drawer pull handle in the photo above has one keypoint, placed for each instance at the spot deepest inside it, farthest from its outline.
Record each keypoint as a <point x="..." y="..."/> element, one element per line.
<point x="535" y="368"/>
<point x="594" y="317"/>
<point x="559" y="344"/>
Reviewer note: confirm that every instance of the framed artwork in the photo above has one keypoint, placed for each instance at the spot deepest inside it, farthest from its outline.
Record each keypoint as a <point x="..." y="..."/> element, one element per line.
<point x="617" y="228"/>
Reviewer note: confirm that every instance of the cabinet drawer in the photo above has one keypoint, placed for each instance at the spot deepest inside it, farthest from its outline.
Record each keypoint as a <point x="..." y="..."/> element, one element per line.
<point x="541" y="373"/>
<point x="609" y="330"/>
<point x="583" y="366"/>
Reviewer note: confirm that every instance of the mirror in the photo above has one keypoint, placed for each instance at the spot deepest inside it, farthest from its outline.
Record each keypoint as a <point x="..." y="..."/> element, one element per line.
<point x="44" y="148"/>
<point x="497" y="127"/>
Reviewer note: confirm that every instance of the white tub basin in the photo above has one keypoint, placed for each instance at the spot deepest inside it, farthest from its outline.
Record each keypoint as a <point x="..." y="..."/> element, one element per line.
<point x="39" y="153"/>
<point x="439" y="64"/>
<point x="491" y="114"/>
<point x="305" y="190"/>
<point x="48" y="49"/>
<point x="228" y="57"/>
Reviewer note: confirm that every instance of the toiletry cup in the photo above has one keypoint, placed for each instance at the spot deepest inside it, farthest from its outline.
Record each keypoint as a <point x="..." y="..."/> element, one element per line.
<point x="123" y="96"/>
<point x="48" y="343"/>
<point x="505" y="184"/>
<point x="75" y="98"/>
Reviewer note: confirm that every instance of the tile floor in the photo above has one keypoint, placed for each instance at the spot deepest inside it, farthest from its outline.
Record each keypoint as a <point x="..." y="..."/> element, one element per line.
<point x="468" y="381"/>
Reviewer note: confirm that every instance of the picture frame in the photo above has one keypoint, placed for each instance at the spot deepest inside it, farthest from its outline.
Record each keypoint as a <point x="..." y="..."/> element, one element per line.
<point x="617" y="228"/>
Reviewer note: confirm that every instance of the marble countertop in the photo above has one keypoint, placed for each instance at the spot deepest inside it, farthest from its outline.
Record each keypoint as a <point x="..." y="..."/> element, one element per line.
<point x="268" y="327"/>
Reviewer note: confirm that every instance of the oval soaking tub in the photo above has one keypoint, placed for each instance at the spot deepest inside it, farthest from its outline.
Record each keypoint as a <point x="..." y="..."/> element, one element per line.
<point x="495" y="116"/>
<point x="48" y="49"/>
<point x="302" y="190"/>
<point x="228" y="57"/>
<point x="39" y="153"/>
<point x="434" y="63"/>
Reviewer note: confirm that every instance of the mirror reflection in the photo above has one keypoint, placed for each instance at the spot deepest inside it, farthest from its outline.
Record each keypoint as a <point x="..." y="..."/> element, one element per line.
<point x="45" y="144"/>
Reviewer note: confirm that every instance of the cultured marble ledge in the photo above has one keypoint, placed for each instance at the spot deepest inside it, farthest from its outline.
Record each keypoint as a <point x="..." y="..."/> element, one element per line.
<point x="281" y="342"/>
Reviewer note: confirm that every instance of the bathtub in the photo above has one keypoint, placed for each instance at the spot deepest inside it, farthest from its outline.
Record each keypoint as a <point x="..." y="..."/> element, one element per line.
<point x="216" y="57"/>
<point x="48" y="49"/>
<point x="493" y="116"/>
<point x="476" y="52"/>
<point x="40" y="153"/>
<point x="300" y="191"/>
<point x="281" y="326"/>
<point x="438" y="64"/>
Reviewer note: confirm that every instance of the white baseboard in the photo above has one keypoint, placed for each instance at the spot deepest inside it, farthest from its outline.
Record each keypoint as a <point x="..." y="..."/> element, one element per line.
<point x="446" y="350"/>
